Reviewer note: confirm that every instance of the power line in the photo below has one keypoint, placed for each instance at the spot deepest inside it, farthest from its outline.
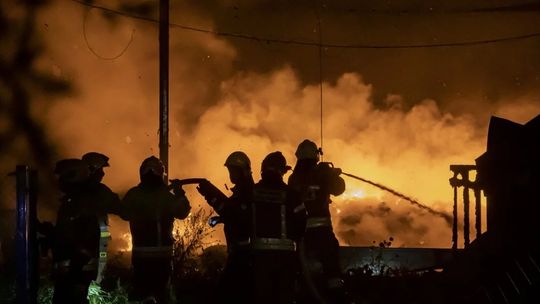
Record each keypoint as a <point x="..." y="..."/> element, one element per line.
<point x="531" y="7"/>
<point x="319" y="30"/>
<point x="317" y="44"/>
<point x="122" y="52"/>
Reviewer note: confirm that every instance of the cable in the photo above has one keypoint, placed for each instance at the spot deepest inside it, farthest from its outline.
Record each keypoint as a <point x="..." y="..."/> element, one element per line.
<point x="319" y="30"/>
<point x="315" y="44"/>
<point x="92" y="49"/>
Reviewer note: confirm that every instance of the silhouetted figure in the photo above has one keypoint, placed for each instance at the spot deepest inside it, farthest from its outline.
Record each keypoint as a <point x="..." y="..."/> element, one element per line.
<point x="277" y="224"/>
<point x="76" y="235"/>
<point x="104" y="200"/>
<point x="235" y="283"/>
<point x="316" y="182"/>
<point x="151" y="209"/>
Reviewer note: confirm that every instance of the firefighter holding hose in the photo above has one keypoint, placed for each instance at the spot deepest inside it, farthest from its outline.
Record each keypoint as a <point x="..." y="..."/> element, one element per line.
<point x="316" y="182"/>
<point x="235" y="283"/>
<point x="151" y="208"/>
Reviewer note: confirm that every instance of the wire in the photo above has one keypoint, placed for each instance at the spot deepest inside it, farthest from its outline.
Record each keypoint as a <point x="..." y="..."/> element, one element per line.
<point x="94" y="51"/>
<point x="319" y="30"/>
<point x="316" y="44"/>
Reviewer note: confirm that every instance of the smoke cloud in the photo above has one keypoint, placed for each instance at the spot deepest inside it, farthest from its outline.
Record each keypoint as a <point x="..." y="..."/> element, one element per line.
<point x="223" y="99"/>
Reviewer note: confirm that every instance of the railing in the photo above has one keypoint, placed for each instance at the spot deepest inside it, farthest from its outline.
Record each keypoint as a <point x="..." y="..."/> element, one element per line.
<point x="461" y="178"/>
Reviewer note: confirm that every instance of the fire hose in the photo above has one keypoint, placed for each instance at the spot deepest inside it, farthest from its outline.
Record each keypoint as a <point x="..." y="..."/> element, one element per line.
<point x="186" y="181"/>
<point x="444" y="215"/>
<point x="308" y="280"/>
<point x="301" y="246"/>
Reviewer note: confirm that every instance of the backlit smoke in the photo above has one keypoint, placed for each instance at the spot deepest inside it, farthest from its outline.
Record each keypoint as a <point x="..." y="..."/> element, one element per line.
<point x="414" y="202"/>
<point x="216" y="109"/>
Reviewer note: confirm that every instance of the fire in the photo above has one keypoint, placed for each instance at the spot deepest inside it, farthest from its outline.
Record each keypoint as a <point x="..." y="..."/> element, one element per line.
<point x="126" y="237"/>
<point x="405" y="144"/>
<point x="355" y="193"/>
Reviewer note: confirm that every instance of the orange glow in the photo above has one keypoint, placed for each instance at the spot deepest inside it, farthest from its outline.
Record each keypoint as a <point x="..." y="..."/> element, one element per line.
<point x="126" y="237"/>
<point x="216" y="109"/>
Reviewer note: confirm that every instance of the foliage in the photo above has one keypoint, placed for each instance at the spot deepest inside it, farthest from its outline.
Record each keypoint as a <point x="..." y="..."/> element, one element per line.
<point x="45" y="292"/>
<point x="197" y="263"/>
<point x="190" y="242"/>
<point x="96" y="295"/>
<point x="377" y="265"/>
<point x="7" y="290"/>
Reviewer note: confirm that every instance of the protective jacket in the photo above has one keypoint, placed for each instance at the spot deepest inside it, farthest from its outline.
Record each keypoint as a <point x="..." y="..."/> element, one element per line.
<point x="236" y="280"/>
<point x="151" y="211"/>
<point x="76" y="246"/>
<point x="276" y="225"/>
<point x="316" y="182"/>
<point x="233" y="211"/>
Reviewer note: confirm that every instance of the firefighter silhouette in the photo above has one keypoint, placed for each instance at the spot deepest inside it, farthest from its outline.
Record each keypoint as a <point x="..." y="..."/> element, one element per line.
<point x="104" y="201"/>
<point x="76" y="235"/>
<point x="151" y="208"/>
<point x="316" y="182"/>
<point x="235" y="282"/>
<point x="276" y="225"/>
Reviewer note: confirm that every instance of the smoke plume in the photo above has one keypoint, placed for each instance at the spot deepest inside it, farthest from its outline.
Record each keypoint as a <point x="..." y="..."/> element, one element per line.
<point x="223" y="100"/>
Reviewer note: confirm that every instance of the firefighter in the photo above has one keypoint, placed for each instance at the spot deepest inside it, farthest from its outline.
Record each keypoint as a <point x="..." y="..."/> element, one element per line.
<point x="151" y="209"/>
<point x="316" y="182"/>
<point x="76" y="235"/>
<point x="277" y="224"/>
<point x="104" y="200"/>
<point x="233" y="213"/>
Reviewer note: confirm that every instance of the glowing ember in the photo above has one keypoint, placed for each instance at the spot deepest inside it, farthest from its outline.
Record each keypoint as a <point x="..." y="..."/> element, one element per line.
<point x="356" y="193"/>
<point x="126" y="237"/>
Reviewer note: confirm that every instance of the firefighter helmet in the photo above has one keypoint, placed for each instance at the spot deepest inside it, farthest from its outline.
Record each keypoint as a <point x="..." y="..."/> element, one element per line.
<point x="239" y="159"/>
<point x="71" y="170"/>
<point x="275" y="161"/>
<point x="152" y="165"/>
<point x="95" y="160"/>
<point x="307" y="150"/>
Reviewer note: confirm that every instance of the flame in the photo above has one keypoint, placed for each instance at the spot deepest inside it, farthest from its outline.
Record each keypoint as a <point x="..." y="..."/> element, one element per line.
<point x="355" y="193"/>
<point x="126" y="237"/>
<point x="407" y="145"/>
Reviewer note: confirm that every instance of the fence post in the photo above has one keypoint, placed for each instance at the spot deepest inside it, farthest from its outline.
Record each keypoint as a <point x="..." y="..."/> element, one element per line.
<point x="25" y="238"/>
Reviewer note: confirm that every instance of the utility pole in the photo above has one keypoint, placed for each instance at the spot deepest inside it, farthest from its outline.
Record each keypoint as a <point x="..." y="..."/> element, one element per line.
<point x="164" y="84"/>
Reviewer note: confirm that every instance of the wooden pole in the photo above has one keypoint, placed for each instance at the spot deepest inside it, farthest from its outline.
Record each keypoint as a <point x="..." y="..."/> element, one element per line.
<point x="164" y="84"/>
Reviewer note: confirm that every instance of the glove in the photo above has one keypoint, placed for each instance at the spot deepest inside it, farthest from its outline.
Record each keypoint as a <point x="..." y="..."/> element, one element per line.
<point x="179" y="191"/>
<point x="177" y="187"/>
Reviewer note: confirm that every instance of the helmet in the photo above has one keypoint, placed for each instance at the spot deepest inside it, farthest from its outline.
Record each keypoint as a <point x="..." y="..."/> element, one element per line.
<point x="307" y="150"/>
<point x="275" y="161"/>
<point x="71" y="170"/>
<point x="152" y="164"/>
<point x="95" y="160"/>
<point x="238" y="159"/>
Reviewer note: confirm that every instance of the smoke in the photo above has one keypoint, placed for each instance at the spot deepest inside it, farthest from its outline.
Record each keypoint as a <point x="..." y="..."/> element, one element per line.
<point x="219" y="105"/>
<point x="366" y="222"/>
<point x="461" y="79"/>
<point x="447" y="217"/>
<point x="410" y="150"/>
